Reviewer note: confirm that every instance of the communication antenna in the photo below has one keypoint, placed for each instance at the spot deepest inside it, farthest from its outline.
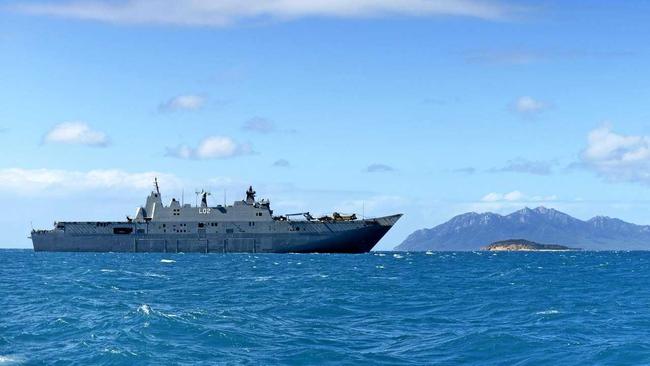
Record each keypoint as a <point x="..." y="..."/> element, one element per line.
<point x="363" y="209"/>
<point x="224" y="197"/>
<point x="182" y="196"/>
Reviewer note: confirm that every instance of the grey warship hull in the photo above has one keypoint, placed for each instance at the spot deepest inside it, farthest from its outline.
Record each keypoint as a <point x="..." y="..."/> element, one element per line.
<point x="300" y="237"/>
<point x="245" y="226"/>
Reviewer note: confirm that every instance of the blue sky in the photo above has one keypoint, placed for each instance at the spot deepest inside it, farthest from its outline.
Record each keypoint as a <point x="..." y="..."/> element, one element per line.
<point x="429" y="108"/>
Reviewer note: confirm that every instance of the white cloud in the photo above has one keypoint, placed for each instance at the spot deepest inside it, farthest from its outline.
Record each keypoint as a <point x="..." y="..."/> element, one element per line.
<point x="528" y="106"/>
<point x="47" y="180"/>
<point x="515" y="196"/>
<point x="497" y="202"/>
<point x="213" y="147"/>
<point x="76" y="133"/>
<point x="617" y="157"/>
<point x="183" y="102"/>
<point x="227" y="12"/>
<point x="521" y="165"/>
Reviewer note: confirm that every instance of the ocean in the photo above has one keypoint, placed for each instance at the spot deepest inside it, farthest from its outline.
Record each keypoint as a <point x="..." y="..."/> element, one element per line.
<point x="524" y="308"/>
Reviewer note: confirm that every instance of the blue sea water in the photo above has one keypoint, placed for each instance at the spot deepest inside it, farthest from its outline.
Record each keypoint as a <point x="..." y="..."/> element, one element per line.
<point x="381" y="308"/>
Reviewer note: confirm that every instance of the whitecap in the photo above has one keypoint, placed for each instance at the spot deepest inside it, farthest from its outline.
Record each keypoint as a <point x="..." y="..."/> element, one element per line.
<point x="428" y="252"/>
<point x="169" y="315"/>
<point x="380" y="255"/>
<point x="547" y="312"/>
<point x="144" y="309"/>
<point x="167" y="261"/>
<point x="107" y="270"/>
<point x="116" y="351"/>
<point x="379" y="267"/>
<point x="397" y="256"/>
<point x="9" y="360"/>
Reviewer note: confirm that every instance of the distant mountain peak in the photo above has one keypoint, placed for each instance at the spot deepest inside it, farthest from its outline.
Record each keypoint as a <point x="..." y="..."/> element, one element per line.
<point x="541" y="210"/>
<point x="472" y="230"/>
<point x="600" y="218"/>
<point x="544" y="210"/>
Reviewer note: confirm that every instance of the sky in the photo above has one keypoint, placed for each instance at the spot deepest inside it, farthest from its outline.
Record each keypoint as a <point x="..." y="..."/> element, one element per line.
<point x="422" y="107"/>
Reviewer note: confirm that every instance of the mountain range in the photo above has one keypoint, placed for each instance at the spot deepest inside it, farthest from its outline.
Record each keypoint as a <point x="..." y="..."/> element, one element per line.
<point x="471" y="231"/>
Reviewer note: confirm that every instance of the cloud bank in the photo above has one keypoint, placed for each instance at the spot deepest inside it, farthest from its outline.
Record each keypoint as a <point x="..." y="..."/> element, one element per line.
<point x="78" y="133"/>
<point x="21" y="180"/>
<point x="227" y="12"/>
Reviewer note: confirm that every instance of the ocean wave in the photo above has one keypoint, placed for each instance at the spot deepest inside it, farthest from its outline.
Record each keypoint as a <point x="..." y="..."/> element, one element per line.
<point x="11" y="360"/>
<point x="446" y="308"/>
<point x="547" y="312"/>
<point x="144" y="309"/>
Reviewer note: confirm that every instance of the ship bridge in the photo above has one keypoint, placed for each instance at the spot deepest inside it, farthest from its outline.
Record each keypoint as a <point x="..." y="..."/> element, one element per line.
<point x="248" y="209"/>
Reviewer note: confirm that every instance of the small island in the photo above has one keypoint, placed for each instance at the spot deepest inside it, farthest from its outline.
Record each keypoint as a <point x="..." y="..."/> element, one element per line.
<point x="524" y="245"/>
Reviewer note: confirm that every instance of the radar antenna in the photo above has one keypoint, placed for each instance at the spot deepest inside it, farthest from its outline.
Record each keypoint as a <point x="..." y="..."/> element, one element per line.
<point x="204" y="197"/>
<point x="155" y="184"/>
<point x="250" y="195"/>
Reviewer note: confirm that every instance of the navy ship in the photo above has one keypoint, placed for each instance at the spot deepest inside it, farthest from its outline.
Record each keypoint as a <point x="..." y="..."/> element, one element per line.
<point x="245" y="226"/>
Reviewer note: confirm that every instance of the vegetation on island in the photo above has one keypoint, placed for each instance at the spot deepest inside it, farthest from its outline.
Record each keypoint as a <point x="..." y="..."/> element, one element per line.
<point x="523" y="245"/>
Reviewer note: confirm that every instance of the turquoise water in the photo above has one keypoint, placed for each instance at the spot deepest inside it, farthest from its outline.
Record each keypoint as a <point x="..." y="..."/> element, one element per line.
<point x="381" y="308"/>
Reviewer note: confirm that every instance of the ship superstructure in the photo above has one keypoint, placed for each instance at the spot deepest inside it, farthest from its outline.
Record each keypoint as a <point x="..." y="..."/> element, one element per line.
<point x="245" y="226"/>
